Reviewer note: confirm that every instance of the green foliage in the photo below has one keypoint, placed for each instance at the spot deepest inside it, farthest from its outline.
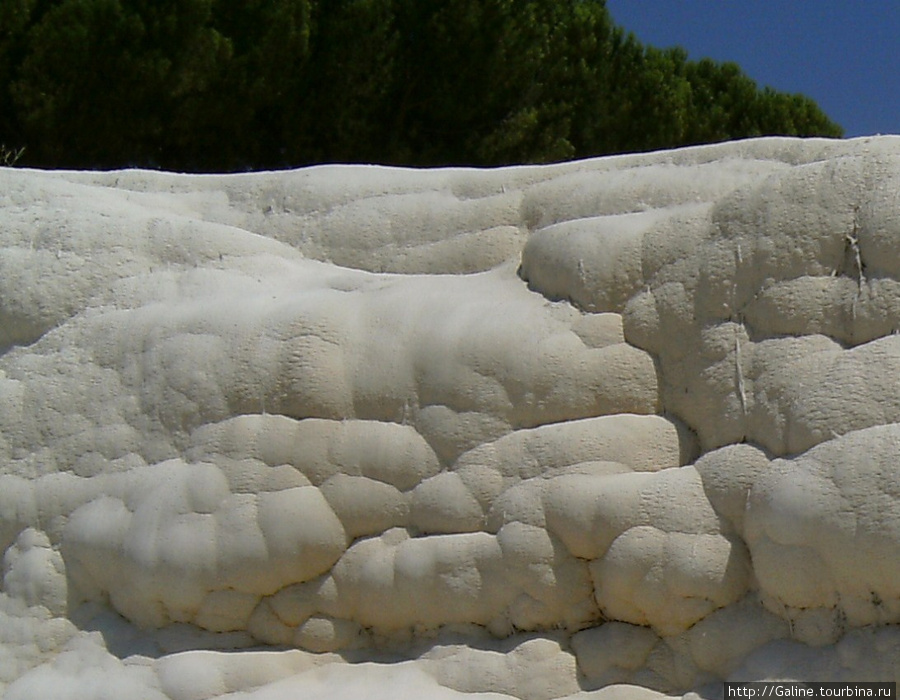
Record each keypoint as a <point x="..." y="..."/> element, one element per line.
<point x="10" y="156"/>
<point x="107" y="82"/>
<point x="239" y="84"/>
<point x="255" y="96"/>
<point x="476" y="79"/>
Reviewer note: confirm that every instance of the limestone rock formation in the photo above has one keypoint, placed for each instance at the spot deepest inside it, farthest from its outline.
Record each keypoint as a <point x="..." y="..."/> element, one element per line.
<point x="602" y="429"/>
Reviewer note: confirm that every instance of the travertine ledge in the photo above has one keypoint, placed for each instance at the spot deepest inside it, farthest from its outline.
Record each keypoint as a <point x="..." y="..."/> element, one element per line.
<point x="535" y="432"/>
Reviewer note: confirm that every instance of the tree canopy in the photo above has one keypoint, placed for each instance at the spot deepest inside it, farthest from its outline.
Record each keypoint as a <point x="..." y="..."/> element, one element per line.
<point x="206" y="85"/>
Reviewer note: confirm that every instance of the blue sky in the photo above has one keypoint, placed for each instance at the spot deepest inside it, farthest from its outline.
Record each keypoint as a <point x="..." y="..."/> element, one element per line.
<point x="845" y="54"/>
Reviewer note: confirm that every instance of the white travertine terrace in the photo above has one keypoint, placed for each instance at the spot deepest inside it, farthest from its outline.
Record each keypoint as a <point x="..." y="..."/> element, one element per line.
<point x="597" y="430"/>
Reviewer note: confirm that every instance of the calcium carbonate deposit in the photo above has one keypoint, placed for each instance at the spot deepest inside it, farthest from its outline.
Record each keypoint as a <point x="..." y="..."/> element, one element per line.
<point x="598" y="430"/>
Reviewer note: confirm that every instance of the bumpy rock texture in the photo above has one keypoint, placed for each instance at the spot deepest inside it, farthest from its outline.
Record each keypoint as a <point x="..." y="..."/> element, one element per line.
<point x="532" y="432"/>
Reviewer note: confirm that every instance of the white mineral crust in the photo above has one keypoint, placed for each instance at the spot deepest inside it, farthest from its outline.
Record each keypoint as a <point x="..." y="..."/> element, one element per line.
<point x="599" y="430"/>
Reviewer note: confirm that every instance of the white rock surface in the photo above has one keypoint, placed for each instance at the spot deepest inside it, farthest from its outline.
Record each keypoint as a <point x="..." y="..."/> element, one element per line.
<point x="597" y="430"/>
